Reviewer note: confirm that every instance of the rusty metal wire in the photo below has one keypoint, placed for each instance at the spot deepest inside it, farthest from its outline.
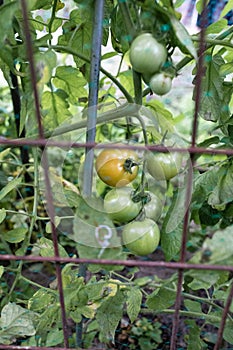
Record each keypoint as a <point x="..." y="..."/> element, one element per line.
<point x="141" y="263"/>
<point x="199" y="76"/>
<point x="45" y="166"/>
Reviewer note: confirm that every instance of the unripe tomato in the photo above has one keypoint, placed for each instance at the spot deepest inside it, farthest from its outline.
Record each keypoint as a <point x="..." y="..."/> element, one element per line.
<point x="141" y="237"/>
<point x="119" y="205"/>
<point x="160" y="83"/>
<point x="117" y="167"/>
<point x="154" y="207"/>
<point x="163" y="166"/>
<point x="146" y="54"/>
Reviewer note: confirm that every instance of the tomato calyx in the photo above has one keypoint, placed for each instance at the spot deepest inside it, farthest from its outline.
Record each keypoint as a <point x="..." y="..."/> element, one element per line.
<point x="141" y="197"/>
<point x="129" y="164"/>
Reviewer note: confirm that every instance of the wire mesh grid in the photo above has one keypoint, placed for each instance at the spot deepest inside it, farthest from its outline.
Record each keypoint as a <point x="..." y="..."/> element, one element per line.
<point x="42" y="141"/>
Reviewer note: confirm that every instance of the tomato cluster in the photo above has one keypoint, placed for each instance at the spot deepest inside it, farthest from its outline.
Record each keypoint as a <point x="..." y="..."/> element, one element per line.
<point x="138" y="211"/>
<point x="147" y="57"/>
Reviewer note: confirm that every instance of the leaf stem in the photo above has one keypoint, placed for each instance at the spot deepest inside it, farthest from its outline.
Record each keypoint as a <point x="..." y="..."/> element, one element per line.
<point x="214" y="42"/>
<point x="73" y="52"/>
<point x="39" y="286"/>
<point x="217" y="39"/>
<point x="210" y="318"/>
<point x="53" y="14"/>
<point x="116" y="113"/>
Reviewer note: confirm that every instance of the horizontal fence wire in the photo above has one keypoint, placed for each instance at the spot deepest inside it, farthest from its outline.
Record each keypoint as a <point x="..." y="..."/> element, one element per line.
<point x="180" y="266"/>
<point x="154" y="148"/>
<point x="132" y="263"/>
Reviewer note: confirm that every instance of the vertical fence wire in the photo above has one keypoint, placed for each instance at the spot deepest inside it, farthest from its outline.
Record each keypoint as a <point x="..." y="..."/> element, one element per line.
<point x="199" y="75"/>
<point x="93" y="95"/>
<point x="45" y="166"/>
<point x="224" y="319"/>
<point x="91" y="120"/>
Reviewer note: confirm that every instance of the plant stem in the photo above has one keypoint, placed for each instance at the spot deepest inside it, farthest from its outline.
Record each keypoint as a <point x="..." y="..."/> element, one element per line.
<point x="49" y="290"/>
<point x="211" y="318"/>
<point x="128" y="19"/>
<point x="116" y="113"/>
<point x="53" y="14"/>
<point x="216" y="41"/>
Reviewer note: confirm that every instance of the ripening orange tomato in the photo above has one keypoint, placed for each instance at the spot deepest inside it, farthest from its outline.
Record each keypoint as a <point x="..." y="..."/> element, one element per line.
<point x="117" y="167"/>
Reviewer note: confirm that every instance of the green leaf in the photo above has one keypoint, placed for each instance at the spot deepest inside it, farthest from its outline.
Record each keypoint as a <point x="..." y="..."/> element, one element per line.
<point x="5" y="153"/>
<point x="203" y="279"/>
<point x="70" y="80"/>
<point x="9" y="187"/>
<point x="171" y="232"/>
<point x="210" y="252"/>
<point x="55" y="108"/>
<point x="223" y="191"/>
<point x="227" y="8"/>
<point x="1" y="270"/>
<point x="227" y="333"/>
<point x="41" y="300"/>
<point x="16" y="320"/>
<point x="120" y="38"/>
<point x="194" y="341"/>
<point x="161" y="299"/>
<point x="134" y="300"/>
<point x="126" y="80"/>
<point x="162" y="116"/>
<point x="183" y="36"/>
<point x="204" y="185"/>
<point x="16" y="235"/>
<point x="54" y="337"/>
<point x="219" y="247"/>
<point x="77" y="32"/>
<point x="2" y="215"/>
<point x="47" y="248"/>
<point x="226" y="69"/>
<point x="212" y="106"/>
<point x="216" y="27"/>
<point x="7" y="11"/>
<point x="45" y="63"/>
<point x="108" y="316"/>
<point x="194" y="306"/>
<point x="49" y="318"/>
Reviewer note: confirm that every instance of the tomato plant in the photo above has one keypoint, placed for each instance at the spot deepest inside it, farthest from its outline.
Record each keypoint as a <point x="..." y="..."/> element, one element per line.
<point x="120" y="206"/>
<point x="141" y="237"/>
<point x="117" y="167"/>
<point x="163" y="166"/>
<point x="146" y="54"/>
<point x="160" y="83"/>
<point x="141" y="40"/>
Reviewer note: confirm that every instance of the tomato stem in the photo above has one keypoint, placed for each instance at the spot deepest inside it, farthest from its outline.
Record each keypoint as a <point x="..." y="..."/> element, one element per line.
<point x="129" y="164"/>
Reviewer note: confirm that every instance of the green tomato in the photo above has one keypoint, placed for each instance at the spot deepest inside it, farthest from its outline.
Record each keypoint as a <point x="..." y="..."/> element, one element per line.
<point x="160" y="83"/>
<point x="141" y="237"/>
<point x="119" y="205"/>
<point x="146" y="54"/>
<point x="163" y="166"/>
<point x="154" y="207"/>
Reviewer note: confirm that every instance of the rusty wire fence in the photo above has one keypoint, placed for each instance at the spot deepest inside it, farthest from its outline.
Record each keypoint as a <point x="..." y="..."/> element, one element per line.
<point x="44" y="143"/>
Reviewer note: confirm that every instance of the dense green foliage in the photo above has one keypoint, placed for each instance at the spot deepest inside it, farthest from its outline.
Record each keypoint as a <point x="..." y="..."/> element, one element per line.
<point x="129" y="113"/>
